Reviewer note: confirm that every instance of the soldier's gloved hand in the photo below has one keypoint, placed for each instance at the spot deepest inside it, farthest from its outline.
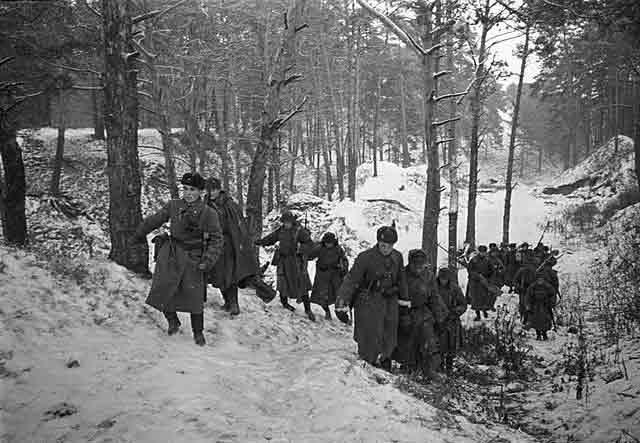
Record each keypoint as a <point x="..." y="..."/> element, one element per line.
<point x="343" y="315"/>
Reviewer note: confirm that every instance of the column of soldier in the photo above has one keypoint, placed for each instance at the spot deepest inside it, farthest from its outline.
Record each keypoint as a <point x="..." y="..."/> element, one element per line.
<point x="409" y="314"/>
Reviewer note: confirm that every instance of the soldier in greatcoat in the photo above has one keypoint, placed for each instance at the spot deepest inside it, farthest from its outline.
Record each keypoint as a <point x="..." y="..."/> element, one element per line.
<point x="184" y="258"/>
<point x="451" y="330"/>
<point x="478" y="294"/>
<point x="331" y="267"/>
<point x="294" y="242"/>
<point x="418" y="346"/>
<point x="540" y="300"/>
<point x="373" y="287"/>
<point x="237" y="266"/>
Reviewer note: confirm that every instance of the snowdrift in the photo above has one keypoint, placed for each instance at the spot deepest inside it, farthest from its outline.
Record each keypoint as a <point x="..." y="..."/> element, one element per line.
<point x="601" y="176"/>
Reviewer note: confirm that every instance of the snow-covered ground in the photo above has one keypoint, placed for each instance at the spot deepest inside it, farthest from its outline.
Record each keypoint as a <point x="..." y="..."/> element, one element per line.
<point x="268" y="375"/>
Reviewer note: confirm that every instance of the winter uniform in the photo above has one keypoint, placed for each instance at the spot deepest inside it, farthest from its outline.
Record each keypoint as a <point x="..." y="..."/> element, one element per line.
<point x="331" y="267"/>
<point x="373" y="287"/>
<point x="521" y="282"/>
<point x="418" y="346"/>
<point x="540" y="300"/>
<point x="478" y="294"/>
<point x="451" y="330"/>
<point x="510" y="265"/>
<point x="237" y="266"/>
<point x="290" y="259"/>
<point x="178" y="284"/>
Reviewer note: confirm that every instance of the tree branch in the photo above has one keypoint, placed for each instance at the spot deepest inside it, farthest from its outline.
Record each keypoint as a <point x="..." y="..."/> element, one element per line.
<point x="6" y="60"/>
<point x="402" y="35"/>
<point x="452" y="95"/>
<point x="278" y="123"/>
<point x="444" y="122"/>
<point x="156" y="13"/>
<point x="441" y="74"/>
<point x="434" y="48"/>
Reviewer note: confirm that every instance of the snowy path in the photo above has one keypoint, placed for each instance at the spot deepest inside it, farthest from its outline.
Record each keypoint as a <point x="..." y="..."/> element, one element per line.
<point x="266" y="376"/>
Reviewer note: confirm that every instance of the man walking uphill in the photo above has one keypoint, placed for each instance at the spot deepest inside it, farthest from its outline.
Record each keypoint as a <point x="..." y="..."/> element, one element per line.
<point x="374" y="286"/>
<point x="237" y="266"/>
<point x="184" y="257"/>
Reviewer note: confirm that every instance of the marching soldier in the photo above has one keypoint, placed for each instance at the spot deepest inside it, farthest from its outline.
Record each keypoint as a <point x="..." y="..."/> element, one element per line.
<point x="540" y="300"/>
<point x="237" y="266"/>
<point x="478" y="295"/>
<point x="451" y="330"/>
<point x="418" y="346"/>
<point x="331" y="267"/>
<point x="373" y="286"/>
<point x="184" y="258"/>
<point x="290" y="258"/>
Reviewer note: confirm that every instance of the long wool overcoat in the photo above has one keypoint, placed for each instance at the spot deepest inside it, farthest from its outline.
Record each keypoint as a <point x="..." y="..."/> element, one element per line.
<point x="331" y="266"/>
<point x="478" y="287"/>
<point x="539" y="302"/>
<point x="373" y="286"/>
<point x="237" y="262"/>
<point x="451" y="330"/>
<point x="292" y="276"/>
<point x="418" y="340"/>
<point x="178" y="285"/>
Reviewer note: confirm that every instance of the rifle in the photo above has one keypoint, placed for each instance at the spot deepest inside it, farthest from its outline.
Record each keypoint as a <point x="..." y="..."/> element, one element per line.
<point x="543" y="232"/>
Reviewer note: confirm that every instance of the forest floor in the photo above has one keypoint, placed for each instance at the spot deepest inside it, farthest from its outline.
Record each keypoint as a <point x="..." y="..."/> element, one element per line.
<point x="82" y="359"/>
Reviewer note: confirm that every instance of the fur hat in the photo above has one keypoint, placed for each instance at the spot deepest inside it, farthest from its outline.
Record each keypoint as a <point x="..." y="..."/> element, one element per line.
<point x="417" y="255"/>
<point x="493" y="246"/>
<point x="445" y="273"/>
<point x="329" y="237"/>
<point x="193" y="179"/>
<point x="482" y="248"/>
<point x="387" y="234"/>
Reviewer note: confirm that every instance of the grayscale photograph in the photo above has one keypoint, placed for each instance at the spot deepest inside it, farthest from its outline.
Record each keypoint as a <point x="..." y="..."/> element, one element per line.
<point x="310" y="221"/>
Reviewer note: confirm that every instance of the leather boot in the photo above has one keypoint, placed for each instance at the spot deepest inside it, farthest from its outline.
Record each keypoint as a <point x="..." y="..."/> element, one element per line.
<point x="307" y="307"/>
<point x="477" y="318"/>
<point x="197" y="326"/>
<point x="174" y="323"/>
<point x="327" y="313"/>
<point x="225" y="306"/>
<point x="285" y="304"/>
<point x="232" y="298"/>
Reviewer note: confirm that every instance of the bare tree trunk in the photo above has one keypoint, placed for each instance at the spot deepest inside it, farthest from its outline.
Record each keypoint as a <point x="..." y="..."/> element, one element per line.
<point x="452" y="246"/>
<point x="54" y="187"/>
<point x="337" y="135"/>
<point x="512" y="140"/>
<point x="375" y="145"/>
<point x="98" y="112"/>
<point x="14" y="186"/>
<point x="476" y="110"/>
<point x="121" y="122"/>
<point x="270" y="182"/>
<point x="432" y="199"/>
<point x="327" y="162"/>
<point x="403" y="124"/>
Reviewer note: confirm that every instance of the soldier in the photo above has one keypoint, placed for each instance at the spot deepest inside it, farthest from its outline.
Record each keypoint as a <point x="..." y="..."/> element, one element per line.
<point x="290" y="257"/>
<point x="540" y="300"/>
<point x="478" y="295"/>
<point x="331" y="267"/>
<point x="496" y="278"/>
<point x="451" y="331"/>
<point x="373" y="287"/>
<point x="521" y="282"/>
<point x="179" y="282"/>
<point x="510" y="266"/>
<point x="237" y="266"/>
<point x="417" y="339"/>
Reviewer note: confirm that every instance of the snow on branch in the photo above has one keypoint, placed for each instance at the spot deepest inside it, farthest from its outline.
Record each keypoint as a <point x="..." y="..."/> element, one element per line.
<point x="6" y="60"/>
<point x="453" y="95"/>
<point x="156" y="13"/>
<point x="399" y="32"/>
<point x="278" y="123"/>
<point x="444" y="122"/>
<point x="441" y="74"/>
